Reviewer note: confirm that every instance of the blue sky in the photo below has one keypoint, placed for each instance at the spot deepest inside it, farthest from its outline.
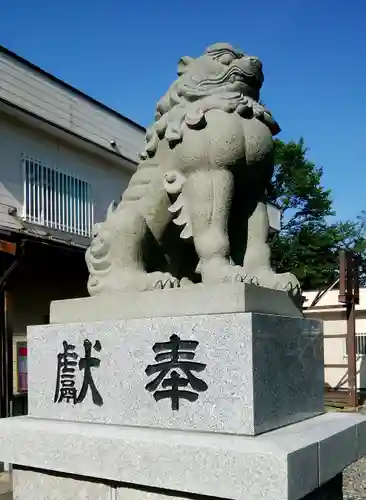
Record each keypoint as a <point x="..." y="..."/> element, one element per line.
<point x="124" y="53"/>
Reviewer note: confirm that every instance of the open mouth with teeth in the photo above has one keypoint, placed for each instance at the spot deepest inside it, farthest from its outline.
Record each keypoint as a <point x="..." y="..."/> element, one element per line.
<point x="251" y="77"/>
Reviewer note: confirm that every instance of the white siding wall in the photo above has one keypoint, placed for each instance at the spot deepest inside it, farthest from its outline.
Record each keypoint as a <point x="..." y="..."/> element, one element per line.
<point x="44" y="97"/>
<point x="334" y="323"/>
<point x="107" y="180"/>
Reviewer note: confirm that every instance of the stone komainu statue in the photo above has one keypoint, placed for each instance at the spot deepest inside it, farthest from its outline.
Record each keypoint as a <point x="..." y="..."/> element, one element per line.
<point x="194" y="211"/>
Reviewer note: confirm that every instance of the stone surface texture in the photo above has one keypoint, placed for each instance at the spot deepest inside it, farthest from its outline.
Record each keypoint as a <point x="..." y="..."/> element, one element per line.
<point x="354" y="481"/>
<point x="282" y="464"/>
<point x="354" y="488"/>
<point x="32" y="485"/>
<point x="219" y="299"/>
<point x="124" y="493"/>
<point x="206" y="167"/>
<point x="262" y="372"/>
<point x="332" y="490"/>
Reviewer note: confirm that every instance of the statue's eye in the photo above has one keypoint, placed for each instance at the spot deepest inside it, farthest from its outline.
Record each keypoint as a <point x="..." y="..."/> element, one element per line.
<point x="255" y="61"/>
<point x="226" y="59"/>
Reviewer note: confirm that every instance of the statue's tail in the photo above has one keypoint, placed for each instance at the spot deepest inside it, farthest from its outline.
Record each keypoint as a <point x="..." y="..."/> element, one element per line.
<point x="173" y="183"/>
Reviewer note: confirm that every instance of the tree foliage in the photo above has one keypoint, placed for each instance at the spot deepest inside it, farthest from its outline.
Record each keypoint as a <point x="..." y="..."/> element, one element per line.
<point x="308" y="243"/>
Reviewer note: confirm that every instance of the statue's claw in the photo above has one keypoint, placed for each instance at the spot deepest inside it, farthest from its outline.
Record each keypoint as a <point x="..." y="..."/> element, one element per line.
<point x="166" y="283"/>
<point x="285" y="282"/>
<point x="129" y="281"/>
<point x="223" y="272"/>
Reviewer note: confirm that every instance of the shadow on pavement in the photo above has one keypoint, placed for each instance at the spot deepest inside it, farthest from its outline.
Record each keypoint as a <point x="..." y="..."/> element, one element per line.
<point x="5" y="487"/>
<point x="6" y="496"/>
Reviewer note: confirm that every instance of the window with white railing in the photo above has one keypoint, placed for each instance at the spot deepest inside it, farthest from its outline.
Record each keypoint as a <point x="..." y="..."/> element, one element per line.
<point x="360" y="340"/>
<point x="56" y="199"/>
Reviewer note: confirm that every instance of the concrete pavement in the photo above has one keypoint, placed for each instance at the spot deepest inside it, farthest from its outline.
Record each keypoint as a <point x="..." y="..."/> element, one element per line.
<point x="5" y="486"/>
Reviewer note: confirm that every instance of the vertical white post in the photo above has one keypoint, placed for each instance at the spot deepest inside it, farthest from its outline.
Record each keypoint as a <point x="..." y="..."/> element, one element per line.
<point x="33" y="210"/>
<point x="82" y="211"/>
<point x="29" y="189"/>
<point x="41" y="200"/>
<point x="80" y="206"/>
<point x="92" y="212"/>
<point x="39" y="190"/>
<point x="88" y="211"/>
<point x="70" y="203"/>
<point x="74" y="181"/>
<point x="86" y="198"/>
<point x="25" y="187"/>
<point x="51" y="187"/>
<point x="58" y="190"/>
<point x="67" y="196"/>
<point x="47" y="195"/>
<point x="63" y="208"/>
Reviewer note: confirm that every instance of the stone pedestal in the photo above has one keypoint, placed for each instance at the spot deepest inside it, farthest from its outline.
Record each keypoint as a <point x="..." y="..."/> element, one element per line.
<point x="227" y="404"/>
<point x="288" y="463"/>
<point x="260" y="372"/>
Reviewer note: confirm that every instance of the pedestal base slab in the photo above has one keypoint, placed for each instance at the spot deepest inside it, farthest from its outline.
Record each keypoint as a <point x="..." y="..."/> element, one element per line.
<point x="287" y="463"/>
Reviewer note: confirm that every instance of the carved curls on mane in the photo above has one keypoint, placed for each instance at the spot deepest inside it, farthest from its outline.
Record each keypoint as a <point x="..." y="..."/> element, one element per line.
<point x="208" y="82"/>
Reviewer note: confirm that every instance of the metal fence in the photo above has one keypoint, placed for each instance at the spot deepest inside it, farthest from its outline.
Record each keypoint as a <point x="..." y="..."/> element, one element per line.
<point x="56" y="199"/>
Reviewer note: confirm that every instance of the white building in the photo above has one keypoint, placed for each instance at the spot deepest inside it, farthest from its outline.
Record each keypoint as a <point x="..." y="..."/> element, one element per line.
<point x="63" y="158"/>
<point x="333" y="315"/>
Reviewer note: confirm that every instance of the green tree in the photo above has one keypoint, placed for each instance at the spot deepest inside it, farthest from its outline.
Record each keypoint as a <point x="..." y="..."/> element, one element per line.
<point x="308" y="244"/>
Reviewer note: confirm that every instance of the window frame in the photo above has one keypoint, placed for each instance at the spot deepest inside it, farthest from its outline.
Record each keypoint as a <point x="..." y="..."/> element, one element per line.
<point x="56" y="198"/>
<point x="359" y="335"/>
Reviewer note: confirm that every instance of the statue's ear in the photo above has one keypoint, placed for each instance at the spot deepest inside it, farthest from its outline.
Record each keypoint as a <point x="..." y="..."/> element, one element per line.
<point x="183" y="64"/>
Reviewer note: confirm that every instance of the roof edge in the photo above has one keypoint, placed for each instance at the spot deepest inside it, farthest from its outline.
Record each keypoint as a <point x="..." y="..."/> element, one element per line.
<point x="69" y="87"/>
<point x="67" y="131"/>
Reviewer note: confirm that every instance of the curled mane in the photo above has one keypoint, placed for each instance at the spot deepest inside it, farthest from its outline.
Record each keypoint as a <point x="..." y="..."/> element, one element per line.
<point x="212" y="81"/>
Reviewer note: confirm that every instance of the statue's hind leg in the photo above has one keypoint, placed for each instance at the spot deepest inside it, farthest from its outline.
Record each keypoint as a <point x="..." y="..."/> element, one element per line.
<point x="208" y="195"/>
<point x="115" y="256"/>
<point x="257" y="258"/>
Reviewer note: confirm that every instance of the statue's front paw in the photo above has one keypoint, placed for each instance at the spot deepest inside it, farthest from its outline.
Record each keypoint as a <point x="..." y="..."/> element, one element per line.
<point x="286" y="282"/>
<point x="222" y="271"/>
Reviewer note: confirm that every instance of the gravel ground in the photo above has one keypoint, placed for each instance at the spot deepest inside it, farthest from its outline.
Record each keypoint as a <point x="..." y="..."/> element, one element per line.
<point x="354" y="481"/>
